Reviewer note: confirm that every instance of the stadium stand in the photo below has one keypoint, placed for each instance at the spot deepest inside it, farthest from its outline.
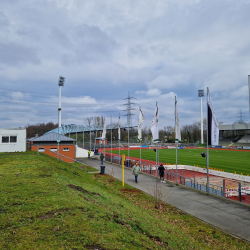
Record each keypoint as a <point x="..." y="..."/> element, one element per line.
<point x="245" y="139"/>
<point x="227" y="140"/>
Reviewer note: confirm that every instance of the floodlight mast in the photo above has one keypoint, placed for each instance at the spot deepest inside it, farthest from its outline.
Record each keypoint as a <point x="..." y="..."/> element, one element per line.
<point x="60" y="83"/>
<point x="201" y="94"/>
<point x="249" y="92"/>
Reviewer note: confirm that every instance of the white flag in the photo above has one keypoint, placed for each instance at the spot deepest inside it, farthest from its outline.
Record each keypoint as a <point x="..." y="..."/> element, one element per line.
<point x="212" y="123"/>
<point x="119" y="129"/>
<point x="104" y="131"/>
<point x="141" y="120"/>
<point x="177" y="124"/>
<point x="154" y="126"/>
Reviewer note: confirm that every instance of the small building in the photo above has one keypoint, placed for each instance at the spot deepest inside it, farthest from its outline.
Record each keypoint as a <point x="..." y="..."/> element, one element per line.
<point x="99" y="140"/>
<point x="12" y="140"/>
<point x="48" y="144"/>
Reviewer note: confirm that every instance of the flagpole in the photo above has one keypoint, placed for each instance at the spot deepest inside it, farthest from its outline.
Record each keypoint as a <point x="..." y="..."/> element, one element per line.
<point x="140" y="153"/>
<point x="156" y="153"/>
<point x="155" y="133"/>
<point x="176" y="161"/>
<point x="119" y="136"/>
<point x="104" y="147"/>
<point x="176" y="142"/>
<point x="140" y="132"/>
<point x="111" y="137"/>
<point x="119" y="151"/>
<point x="156" y="159"/>
<point x="207" y="146"/>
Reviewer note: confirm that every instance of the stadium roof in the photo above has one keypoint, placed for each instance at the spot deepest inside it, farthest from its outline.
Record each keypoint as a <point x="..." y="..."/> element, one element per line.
<point x="72" y="128"/>
<point x="235" y="126"/>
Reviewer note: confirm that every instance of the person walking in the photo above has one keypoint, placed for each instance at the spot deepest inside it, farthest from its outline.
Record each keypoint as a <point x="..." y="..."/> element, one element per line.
<point x="136" y="171"/>
<point x="102" y="157"/>
<point x="89" y="153"/>
<point x="161" y="173"/>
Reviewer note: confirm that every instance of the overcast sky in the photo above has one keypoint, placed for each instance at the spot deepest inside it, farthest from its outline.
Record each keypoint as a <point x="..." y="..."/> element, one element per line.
<point x="155" y="49"/>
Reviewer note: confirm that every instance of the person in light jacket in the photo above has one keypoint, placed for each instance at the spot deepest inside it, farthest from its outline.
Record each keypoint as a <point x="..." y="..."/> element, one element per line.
<point x="136" y="171"/>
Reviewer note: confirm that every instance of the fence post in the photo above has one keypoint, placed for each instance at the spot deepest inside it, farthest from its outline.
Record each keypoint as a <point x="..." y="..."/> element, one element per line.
<point x="223" y="192"/>
<point x="38" y="150"/>
<point x="240" y="192"/>
<point x="194" y="179"/>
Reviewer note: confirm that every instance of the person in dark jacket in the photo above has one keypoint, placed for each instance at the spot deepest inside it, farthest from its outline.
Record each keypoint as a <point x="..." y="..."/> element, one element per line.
<point x="161" y="173"/>
<point x="102" y="157"/>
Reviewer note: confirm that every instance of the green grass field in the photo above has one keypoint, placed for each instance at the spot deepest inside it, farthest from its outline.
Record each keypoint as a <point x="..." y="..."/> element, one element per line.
<point x="229" y="161"/>
<point x="45" y="204"/>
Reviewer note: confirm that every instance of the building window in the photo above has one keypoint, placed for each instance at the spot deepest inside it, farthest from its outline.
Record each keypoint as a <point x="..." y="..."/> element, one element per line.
<point x="65" y="149"/>
<point x="13" y="139"/>
<point x="9" y="139"/>
<point x="53" y="149"/>
<point x="5" y="139"/>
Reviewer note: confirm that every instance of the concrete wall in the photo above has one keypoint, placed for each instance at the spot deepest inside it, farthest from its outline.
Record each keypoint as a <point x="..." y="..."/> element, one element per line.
<point x="82" y="153"/>
<point x="18" y="146"/>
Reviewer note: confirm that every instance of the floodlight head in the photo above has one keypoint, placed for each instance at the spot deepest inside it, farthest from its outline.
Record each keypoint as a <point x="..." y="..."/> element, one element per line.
<point x="203" y="154"/>
<point x="200" y="92"/>
<point x="61" y="81"/>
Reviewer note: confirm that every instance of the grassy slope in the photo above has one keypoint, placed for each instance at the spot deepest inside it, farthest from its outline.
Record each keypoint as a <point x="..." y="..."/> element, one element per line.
<point x="229" y="161"/>
<point x="52" y="205"/>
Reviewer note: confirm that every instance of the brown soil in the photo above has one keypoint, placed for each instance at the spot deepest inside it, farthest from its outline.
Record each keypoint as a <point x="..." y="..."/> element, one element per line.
<point x="131" y="190"/>
<point x="82" y="189"/>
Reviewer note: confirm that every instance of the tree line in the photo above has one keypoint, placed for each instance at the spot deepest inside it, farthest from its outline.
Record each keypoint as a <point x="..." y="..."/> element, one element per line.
<point x="189" y="133"/>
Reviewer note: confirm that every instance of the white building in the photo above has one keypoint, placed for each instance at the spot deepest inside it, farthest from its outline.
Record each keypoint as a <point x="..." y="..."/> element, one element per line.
<point x="12" y="140"/>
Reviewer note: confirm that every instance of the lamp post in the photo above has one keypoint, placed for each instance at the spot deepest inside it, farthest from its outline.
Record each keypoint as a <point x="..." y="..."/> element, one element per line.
<point x="60" y="84"/>
<point x="111" y="137"/>
<point x="201" y="94"/>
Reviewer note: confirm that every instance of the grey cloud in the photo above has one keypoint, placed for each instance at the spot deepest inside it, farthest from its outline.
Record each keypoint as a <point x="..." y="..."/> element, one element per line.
<point x="5" y="118"/>
<point x="93" y="44"/>
<point x="15" y="54"/>
<point x="152" y="47"/>
<point x="60" y="37"/>
<point x="4" y="21"/>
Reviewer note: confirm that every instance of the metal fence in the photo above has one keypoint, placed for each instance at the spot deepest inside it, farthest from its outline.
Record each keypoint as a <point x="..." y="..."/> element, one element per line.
<point x="239" y="193"/>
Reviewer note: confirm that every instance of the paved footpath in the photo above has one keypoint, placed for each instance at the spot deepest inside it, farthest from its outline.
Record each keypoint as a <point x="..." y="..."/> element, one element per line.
<point x="230" y="217"/>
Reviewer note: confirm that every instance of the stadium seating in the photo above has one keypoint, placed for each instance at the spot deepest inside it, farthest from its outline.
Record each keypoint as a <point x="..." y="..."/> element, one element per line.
<point x="245" y="139"/>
